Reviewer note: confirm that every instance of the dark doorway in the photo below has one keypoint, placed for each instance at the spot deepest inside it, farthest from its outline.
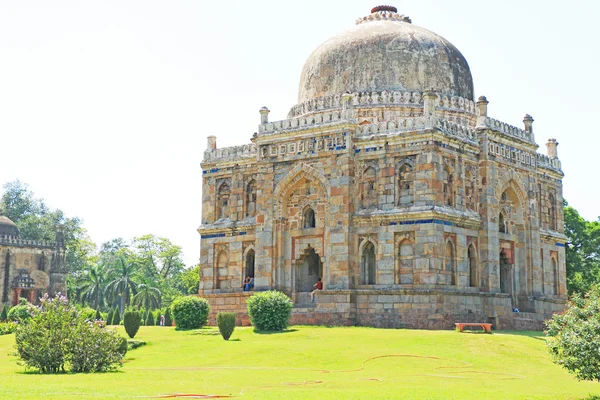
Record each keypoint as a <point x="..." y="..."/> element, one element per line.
<point x="249" y="268"/>
<point x="309" y="270"/>
<point x="505" y="274"/>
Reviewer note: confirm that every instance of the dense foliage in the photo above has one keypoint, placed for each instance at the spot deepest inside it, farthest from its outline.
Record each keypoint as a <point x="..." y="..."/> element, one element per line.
<point x="6" y="328"/>
<point x="582" y="251"/>
<point x="574" y="336"/>
<point x="190" y="312"/>
<point x="226" y="324"/>
<point x="269" y="311"/>
<point x="21" y="312"/>
<point x="168" y="318"/>
<point x="132" y="319"/>
<point x="4" y="313"/>
<point x="58" y="335"/>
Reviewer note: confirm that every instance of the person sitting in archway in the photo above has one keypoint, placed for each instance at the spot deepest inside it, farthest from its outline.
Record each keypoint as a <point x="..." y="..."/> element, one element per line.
<point x="246" y="282"/>
<point x="317" y="286"/>
<point x="249" y="284"/>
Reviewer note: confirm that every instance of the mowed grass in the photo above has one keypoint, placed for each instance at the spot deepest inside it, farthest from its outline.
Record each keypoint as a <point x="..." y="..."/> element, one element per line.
<point x="314" y="363"/>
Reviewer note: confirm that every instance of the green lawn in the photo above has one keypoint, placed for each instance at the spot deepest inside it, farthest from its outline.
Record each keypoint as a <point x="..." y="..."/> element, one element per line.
<point x="314" y="363"/>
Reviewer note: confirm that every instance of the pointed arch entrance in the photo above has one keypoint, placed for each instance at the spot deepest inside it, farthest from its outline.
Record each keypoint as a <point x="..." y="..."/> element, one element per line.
<point x="309" y="269"/>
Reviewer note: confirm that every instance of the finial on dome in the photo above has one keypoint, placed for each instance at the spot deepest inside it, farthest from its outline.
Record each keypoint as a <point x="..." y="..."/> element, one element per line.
<point x="391" y="9"/>
<point x="384" y="13"/>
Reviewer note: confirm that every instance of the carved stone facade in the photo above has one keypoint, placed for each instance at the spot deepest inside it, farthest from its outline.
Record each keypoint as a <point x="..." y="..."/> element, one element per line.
<point x="29" y="268"/>
<point x="414" y="206"/>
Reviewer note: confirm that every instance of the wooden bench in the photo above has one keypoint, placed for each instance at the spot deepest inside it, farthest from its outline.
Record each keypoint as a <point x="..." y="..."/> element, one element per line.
<point x="486" y="327"/>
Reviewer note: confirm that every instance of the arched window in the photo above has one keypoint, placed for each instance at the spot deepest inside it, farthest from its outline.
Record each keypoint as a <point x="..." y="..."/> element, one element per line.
<point x="309" y="218"/>
<point x="251" y="198"/>
<point x="552" y="212"/>
<point x="405" y="185"/>
<point x="223" y="195"/>
<point x="249" y="267"/>
<point x="449" y="261"/>
<point x="448" y="188"/>
<point x="368" y="189"/>
<point x="502" y="223"/>
<point x="473" y="278"/>
<point x="555" y="282"/>
<point x="368" y="264"/>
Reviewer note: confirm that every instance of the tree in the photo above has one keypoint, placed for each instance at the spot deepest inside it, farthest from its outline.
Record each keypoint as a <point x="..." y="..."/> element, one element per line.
<point x="123" y="285"/>
<point x="95" y="282"/>
<point x="573" y="336"/>
<point x="582" y="251"/>
<point x="190" y="279"/>
<point x="36" y="221"/>
<point x="116" y="320"/>
<point x="147" y="297"/>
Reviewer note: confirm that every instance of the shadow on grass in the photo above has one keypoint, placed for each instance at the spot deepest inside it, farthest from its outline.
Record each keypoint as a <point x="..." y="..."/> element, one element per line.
<point x="591" y="397"/>
<point x="235" y="340"/>
<point x="275" y="332"/>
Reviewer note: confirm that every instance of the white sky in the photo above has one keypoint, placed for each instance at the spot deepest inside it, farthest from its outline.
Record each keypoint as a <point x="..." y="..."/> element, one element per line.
<point x="105" y="105"/>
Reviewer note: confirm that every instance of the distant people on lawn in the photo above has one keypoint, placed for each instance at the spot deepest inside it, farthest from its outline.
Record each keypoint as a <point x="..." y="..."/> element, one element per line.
<point x="248" y="283"/>
<point x="317" y="286"/>
<point x="162" y="320"/>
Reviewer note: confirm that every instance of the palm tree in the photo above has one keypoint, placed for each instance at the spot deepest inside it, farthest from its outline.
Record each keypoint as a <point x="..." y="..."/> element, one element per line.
<point x="147" y="297"/>
<point x="122" y="285"/>
<point x="92" y="290"/>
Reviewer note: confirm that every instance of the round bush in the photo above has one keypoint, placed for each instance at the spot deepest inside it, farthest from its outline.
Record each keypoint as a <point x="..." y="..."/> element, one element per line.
<point x="21" y="312"/>
<point x="270" y="311"/>
<point x="131" y="321"/>
<point x="226" y="324"/>
<point x="190" y="312"/>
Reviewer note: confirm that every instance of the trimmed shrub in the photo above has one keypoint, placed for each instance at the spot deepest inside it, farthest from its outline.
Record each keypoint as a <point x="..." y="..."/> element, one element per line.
<point x="123" y="346"/>
<point x="88" y="313"/>
<point x="157" y="317"/>
<point x="190" y="312"/>
<point x="98" y="317"/>
<point x="4" y="314"/>
<point x="149" y="319"/>
<point x="109" y="317"/>
<point x="226" y="324"/>
<point x="58" y="335"/>
<point x="168" y="318"/>
<point x="269" y="311"/>
<point x="116" y="317"/>
<point x="132" y="320"/>
<point x="22" y="312"/>
<point x="6" y="328"/>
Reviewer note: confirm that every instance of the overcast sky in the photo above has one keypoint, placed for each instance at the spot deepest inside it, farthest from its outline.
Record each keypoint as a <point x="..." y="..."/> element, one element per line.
<point x="105" y="106"/>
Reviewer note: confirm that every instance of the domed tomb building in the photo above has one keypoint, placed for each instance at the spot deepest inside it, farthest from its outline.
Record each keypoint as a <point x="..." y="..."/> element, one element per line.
<point x="391" y="183"/>
<point x="29" y="268"/>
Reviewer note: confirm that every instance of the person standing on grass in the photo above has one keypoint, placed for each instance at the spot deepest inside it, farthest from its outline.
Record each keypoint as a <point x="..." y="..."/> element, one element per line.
<point x="317" y="286"/>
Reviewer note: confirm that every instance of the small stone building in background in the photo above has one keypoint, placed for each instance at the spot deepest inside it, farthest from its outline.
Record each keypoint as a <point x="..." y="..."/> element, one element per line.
<point x="394" y="185"/>
<point x="29" y="268"/>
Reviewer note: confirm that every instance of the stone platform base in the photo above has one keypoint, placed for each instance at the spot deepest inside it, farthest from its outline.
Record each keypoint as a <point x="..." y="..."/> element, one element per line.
<point x="417" y="309"/>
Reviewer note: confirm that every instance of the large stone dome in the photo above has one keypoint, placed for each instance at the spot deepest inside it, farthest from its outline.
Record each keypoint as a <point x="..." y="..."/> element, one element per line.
<point x="7" y="227"/>
<point x="385" y="51"/>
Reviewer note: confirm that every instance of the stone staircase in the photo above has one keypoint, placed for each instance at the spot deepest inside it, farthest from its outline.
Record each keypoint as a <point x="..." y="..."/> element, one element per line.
<point x="303" y="302"/>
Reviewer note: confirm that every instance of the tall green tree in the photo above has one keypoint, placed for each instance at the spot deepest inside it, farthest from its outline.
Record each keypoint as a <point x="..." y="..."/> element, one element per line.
<point x="37" y="221"/>
<point x="93" y="288"/>
<point x="123" y="285"/>
<point x="582" y="251"/>
<point x="190" y="279"/>
<point x="147" y="297"/>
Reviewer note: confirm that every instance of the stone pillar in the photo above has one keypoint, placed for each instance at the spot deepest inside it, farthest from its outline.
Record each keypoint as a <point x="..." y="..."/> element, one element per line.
<point x="429" y="99"/>
<point x="528" y="122"/>
<point x="482" y="104"/>
<point x="211" y="142"/>
<point x="552" y="146"/>
<point x="264" y="115"/>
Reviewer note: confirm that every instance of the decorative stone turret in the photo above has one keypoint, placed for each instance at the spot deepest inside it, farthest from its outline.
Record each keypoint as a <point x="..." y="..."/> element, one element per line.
<point x="429" y="99"/>
<point x="528" y="121"/>
<point x="211" y="143"/>
<point x="552" y="146"/>
<point x="481" y="104"/>
<point x="264" y="115"/>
